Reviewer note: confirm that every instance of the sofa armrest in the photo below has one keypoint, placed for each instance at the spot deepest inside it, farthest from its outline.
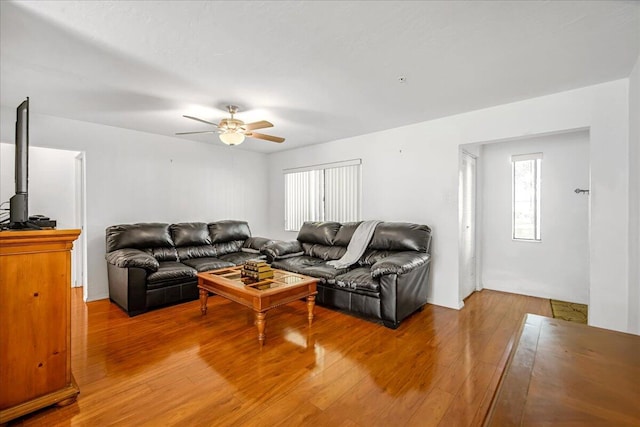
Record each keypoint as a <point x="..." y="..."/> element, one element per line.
<point x="255" y="244"/>
<point x="279" y="250"/>
<point x="400" y="263"/>
<point x="129" y="258"/>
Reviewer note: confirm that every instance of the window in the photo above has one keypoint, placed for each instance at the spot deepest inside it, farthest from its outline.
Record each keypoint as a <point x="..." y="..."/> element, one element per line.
<point x="526" y="196"/>
<point x="329" y="192"/>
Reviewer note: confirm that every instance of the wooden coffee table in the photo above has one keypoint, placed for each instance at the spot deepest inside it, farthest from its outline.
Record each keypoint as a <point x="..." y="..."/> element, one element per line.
<point x="260" y="296"/>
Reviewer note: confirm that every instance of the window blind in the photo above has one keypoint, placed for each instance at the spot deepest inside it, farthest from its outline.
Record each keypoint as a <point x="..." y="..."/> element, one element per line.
<point x="328" y="192"/>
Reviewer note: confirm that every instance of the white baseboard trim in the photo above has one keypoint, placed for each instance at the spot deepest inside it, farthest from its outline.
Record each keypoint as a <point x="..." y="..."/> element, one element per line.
<point x="458" y="307"/>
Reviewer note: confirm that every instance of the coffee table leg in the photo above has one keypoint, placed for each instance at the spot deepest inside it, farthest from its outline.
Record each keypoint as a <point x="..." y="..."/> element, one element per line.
<point x="311" y="303"/>
<point x="260" y="323"/>
<point x="204" y="296"/>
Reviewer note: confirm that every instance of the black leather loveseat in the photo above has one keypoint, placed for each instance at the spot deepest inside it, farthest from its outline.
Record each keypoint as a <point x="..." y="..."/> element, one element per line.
<point x="387" y="284"/>
<point x="154" y="264"/>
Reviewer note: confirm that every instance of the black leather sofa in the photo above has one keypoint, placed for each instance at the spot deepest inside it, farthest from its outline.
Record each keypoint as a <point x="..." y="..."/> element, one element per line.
<point x="387" y="284"/>
<point x="155" y="264"/>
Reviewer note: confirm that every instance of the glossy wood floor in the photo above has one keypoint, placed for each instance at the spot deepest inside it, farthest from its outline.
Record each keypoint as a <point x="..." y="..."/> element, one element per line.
<point x="175" y="367"/>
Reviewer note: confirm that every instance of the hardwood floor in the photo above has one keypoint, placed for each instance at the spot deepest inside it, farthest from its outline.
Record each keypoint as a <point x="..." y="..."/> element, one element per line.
<point x="173" y="366"/>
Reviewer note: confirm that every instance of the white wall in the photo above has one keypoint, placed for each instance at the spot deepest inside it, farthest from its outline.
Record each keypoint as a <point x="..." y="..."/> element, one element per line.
<point x="557" y="266"/>
<point x="51" y="182"/>
<point x="634" y="199"/>
<point x="138" y="177"/>
<point x="411" y="174"/>
<point x="397" y="168"/>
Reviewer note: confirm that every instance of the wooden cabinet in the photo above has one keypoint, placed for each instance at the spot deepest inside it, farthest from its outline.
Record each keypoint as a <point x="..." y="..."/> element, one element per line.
<point x="35" y="321"/>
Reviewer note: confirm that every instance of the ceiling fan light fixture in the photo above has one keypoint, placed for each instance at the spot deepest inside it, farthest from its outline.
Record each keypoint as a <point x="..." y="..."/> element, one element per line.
<point x="232" y="138"/>
<point x="232" y="131"/>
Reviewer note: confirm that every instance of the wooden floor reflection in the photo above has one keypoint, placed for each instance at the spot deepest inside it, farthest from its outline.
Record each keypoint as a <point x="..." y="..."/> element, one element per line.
<point x="175" y="367"/>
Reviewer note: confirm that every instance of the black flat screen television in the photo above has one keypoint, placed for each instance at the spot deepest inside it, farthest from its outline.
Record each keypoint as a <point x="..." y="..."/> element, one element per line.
<point x="19" y="203"/>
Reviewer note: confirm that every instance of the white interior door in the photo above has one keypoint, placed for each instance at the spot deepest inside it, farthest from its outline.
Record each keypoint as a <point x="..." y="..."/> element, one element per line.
<point x="467" y="243"/>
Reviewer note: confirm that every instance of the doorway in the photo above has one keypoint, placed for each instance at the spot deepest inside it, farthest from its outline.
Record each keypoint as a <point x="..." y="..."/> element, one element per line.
<point x="467" y="223"/>
<point x="555" y="262"/>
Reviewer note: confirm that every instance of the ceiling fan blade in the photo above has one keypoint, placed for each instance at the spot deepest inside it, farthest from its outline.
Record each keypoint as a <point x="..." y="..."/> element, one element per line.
<point x="200" y="131"/>
<point x="265" y="137"/>
<point x="200" y="120"/>
<point x="258" y="125"/>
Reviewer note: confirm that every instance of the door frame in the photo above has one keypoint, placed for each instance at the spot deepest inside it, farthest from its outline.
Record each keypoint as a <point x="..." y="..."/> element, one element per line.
<point x="80" y="257"/>
<point x="463" y="189"/>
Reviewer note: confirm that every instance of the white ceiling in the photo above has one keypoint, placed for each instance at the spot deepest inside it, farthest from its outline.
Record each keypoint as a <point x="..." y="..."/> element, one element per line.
<point x="318" y="70"/>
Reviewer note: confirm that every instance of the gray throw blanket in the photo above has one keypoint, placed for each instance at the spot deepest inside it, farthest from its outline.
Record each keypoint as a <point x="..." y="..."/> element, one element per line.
<point x="359" y="242"/>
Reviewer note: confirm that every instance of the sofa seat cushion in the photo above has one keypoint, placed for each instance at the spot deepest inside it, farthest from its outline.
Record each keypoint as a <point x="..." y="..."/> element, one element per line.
<point x="323" y="271"/>
<point x="189" y="252"/>
<point x="359" y="280"/>
<point x="255" y="244"/>
<point x="296" y="264"/>
<point x="309" y="266"/>
<point x="170" y="273"/>
<point x="326" y="253"/>
<point x="207" y="263"/>
<point x="239" y="258"/>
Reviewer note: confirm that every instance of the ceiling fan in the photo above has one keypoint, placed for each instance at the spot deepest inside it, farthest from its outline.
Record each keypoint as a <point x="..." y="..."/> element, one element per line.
<point x="233" y="131"/>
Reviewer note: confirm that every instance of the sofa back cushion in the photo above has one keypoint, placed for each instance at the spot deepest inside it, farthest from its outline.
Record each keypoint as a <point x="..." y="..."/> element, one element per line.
<point x="322" y="233"/>
<point x="228" y="231"/>
<point x="228" y="247"/>
<point x="163" y="254"/>
<point x="190" y="234"/>
<point x="343" y="236"/>
<point x="371" y="256"/>
<point x="202" y="251"/>
<point x="138" y="236"/>
<point x="401" y="236"/>
<point x="192" y="240"/>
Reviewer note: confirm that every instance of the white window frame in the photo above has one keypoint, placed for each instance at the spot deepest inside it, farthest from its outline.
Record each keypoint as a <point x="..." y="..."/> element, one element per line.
<point x="321" y="211"/>
<point x="537" y="169"/>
